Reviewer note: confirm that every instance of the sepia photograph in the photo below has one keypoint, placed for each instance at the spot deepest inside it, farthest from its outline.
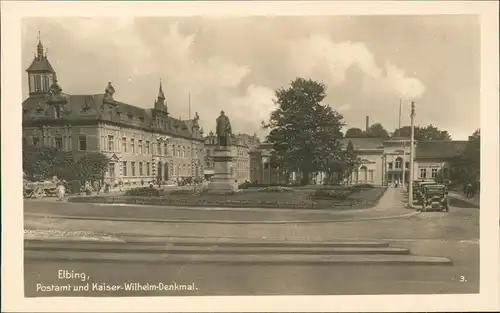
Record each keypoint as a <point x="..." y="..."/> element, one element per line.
<point x="252" y="155"/>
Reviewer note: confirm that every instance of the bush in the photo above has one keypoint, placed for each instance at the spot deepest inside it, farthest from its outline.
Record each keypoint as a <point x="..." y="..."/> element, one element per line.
<point x="182" y="192"/>
<point x="263" y="185"/>
<point x="323" y="194"/>
<point x="143" y="191"/>
<point x="362" y="186"/>
<point x="275" y="189"/>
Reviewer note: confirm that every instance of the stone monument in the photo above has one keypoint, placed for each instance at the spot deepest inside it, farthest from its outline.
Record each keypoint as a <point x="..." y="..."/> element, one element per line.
<point x="222" y="181"/>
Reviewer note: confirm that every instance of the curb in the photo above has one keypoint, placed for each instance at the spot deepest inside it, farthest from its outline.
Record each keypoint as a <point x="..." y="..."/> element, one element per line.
<point x="207" y="250"/>
<point x="233" y="242"/>
<point x="180" y="221"/>
<point x="224" y="259"/>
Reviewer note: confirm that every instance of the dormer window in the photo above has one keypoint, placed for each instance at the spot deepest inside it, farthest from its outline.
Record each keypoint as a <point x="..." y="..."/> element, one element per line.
<point x="130" y="116"/>
<point x="141" y="119"/>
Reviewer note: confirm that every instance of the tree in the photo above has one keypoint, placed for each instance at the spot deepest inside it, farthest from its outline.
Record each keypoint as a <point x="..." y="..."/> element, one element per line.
<point x="377" y="131"/>
<point x="466" y="167"/>
<point x="42" y="163"/>
<point x="303" y="131"/>
<point x="354" y="132"/>
<point x="433" y="133"/>
<point x="350" y="161"/>
<point x="92" y="166"/>
<point x="423" y="133"/>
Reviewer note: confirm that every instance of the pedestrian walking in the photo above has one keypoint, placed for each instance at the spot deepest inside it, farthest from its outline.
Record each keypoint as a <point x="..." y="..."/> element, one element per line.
<point x="468" y="189"/>
<point x="97" y="186"/>
<point x="60" y="191"/>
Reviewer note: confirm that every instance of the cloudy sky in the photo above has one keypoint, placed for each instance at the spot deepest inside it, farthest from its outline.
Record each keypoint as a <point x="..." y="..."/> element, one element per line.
<point x="367" y="62"/>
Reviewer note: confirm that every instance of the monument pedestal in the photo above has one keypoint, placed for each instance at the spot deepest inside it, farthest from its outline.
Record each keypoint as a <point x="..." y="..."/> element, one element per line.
<point x="222" y="181"/>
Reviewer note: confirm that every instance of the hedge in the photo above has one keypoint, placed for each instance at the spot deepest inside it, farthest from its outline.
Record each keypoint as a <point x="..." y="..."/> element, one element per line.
<point x="143" y="191"/>
<point x="212" y="203"/>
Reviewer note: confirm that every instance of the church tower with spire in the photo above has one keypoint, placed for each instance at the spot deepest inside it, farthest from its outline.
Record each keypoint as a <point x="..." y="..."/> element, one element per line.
<point x="41" y="75"/>
<point x="161" y="103"/>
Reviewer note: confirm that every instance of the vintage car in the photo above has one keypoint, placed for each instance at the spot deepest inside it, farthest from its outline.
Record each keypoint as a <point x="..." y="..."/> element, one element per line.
<point x="39" y="189"/>
<point x="435" y="196"/>
<point x="418" y="189"/>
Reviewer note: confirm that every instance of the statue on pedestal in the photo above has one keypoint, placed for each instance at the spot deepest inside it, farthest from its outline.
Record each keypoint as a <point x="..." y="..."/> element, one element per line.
<point x="223" y="130"/>
<point x="110" y="90"/>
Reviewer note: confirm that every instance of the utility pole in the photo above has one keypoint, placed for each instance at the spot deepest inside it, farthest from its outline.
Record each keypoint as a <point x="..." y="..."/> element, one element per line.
<point x="412" y="156"/>
<point x="403" y="166"/>
<point x="399" y="124"/>
<point x="189" y="103"/>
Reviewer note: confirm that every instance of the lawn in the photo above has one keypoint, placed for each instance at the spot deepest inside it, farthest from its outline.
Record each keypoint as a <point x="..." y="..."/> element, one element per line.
<point x="343" y="198"/>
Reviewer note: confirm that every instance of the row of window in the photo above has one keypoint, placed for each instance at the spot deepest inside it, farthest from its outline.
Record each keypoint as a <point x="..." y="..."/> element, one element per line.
<point x="82" y="146"/>
<point x="59" y="143"/>
<point x="363" y="175"/>
<point x="132" y="169"/>
<point x="147" y="147"/>
<point x="398" y="164"/>
<point x="40" y="82"/>
<point x="181" y="168"/>
<point x="423" y="172"/>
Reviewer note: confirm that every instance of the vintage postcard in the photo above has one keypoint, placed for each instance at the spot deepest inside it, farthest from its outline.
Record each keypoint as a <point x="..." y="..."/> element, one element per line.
<point x="181" y="156"/>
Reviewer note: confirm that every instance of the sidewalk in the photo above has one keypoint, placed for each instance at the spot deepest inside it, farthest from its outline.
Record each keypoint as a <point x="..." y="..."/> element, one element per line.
<point x="474" y="201"/>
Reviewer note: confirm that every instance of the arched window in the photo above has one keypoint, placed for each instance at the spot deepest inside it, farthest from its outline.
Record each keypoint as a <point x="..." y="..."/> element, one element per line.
<point x="399" y="162"/>
<point x="363" y="173"/>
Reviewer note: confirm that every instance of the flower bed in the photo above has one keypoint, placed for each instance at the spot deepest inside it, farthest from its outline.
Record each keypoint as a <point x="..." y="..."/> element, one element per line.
<point x="143" y="191"/>
<point x="275" y="189"/>
<point x="247" y="199"/>
<point x="325" y="194"/>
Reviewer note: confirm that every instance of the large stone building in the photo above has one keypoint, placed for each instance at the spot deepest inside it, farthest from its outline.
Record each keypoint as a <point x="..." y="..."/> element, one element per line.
<point x="382" y="161"/>
<point x="241" y="145"/>
<point x="142" y="144"/>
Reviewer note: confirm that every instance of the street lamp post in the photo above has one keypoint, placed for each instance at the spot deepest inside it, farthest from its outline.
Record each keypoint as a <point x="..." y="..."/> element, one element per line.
<point x="412" y="135"/>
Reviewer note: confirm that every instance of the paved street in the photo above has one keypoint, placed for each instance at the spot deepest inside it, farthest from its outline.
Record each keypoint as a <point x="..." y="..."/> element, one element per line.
<point x="454" y="235"/>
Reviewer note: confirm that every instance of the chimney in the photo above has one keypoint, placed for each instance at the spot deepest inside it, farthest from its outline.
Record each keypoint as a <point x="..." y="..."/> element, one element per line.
<point x="367" y="123"/>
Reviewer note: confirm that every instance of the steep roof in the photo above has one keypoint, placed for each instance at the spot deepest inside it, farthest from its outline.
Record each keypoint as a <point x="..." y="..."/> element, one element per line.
<point x="40" y="64"/>
<point x="78" y="106"/>
<point x="439" y="149"/>
<point x="363" y="143"/>
<point x="93" y="107"/>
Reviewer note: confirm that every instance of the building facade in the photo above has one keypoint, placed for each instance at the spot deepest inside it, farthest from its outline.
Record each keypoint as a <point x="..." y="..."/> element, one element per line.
<point x="382" y="161"/>
<point x="142" y="144"/>
<point x="241" y="145"/>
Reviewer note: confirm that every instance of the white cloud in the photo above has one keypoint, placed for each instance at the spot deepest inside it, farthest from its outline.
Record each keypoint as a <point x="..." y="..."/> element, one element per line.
<point x="224" y="65"/>
<point x="343" y="108"/>
<point x="320" y="56"/>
